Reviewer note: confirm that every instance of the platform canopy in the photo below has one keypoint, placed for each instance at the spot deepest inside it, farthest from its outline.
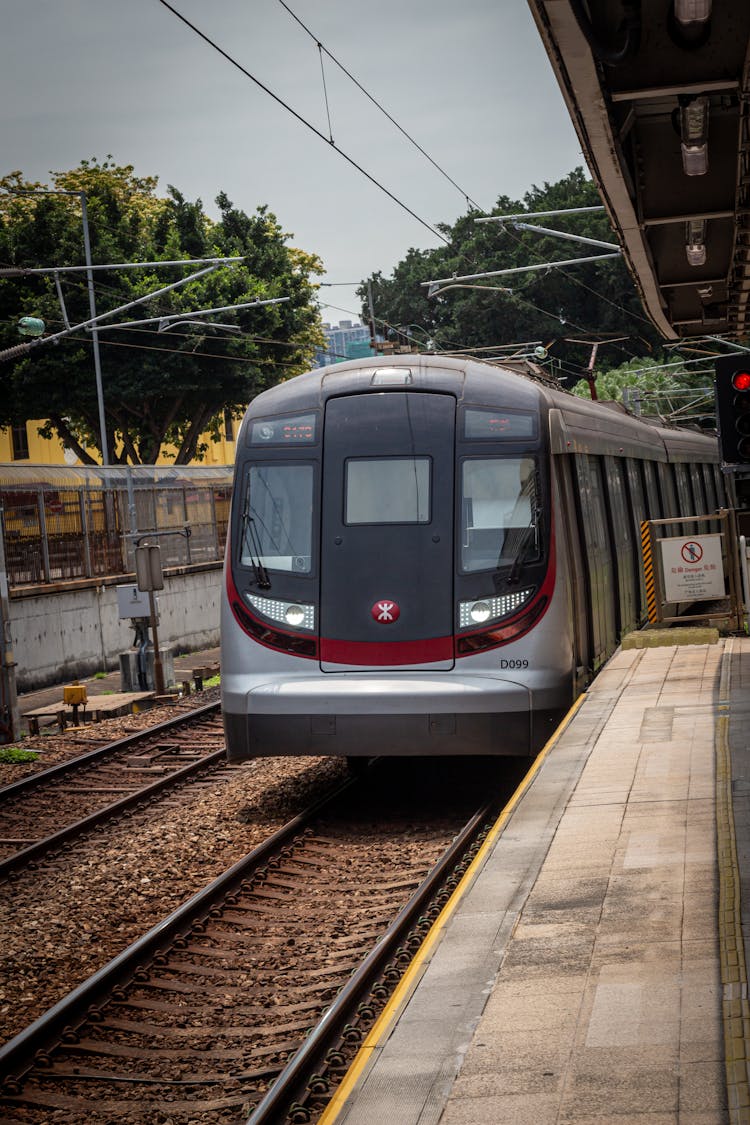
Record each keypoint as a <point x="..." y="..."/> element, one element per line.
<point x="658" y="93"/>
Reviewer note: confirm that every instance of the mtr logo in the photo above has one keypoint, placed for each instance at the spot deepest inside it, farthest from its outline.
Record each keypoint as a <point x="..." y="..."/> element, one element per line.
<point x="385" y="611"/>
<point x="733" y="408"/>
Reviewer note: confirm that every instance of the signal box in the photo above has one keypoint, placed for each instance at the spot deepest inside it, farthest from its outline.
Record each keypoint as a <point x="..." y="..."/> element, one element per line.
<point x="733" y="408"/>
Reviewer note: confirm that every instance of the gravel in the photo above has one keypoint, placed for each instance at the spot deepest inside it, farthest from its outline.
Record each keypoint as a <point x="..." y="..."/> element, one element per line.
<point x="58" y="930"/>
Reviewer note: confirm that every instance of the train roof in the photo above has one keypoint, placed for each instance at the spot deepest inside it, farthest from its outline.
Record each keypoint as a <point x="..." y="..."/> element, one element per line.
<point x="576" y="424"/>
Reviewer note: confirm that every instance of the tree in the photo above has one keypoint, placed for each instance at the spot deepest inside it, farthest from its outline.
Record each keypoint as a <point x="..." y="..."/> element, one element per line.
<point x="562" y="308"/>
<point x="159" y="388"/>
<point x="678" y="392"/>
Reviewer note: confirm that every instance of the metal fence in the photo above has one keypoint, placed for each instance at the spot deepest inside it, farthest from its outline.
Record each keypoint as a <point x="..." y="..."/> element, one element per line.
<point x="64" y="523"/>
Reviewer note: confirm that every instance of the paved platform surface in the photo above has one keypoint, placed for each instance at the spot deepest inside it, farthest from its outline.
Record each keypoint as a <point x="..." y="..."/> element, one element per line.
<point x="591" y="967"/>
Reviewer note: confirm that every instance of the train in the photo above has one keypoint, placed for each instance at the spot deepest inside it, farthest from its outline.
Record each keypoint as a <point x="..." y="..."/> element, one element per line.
<point x="431" y="555"/>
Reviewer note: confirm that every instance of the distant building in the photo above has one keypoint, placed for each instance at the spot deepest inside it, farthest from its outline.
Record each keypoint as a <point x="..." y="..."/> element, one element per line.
<point x="23" y="443"/>
<point x="345" y="340"/>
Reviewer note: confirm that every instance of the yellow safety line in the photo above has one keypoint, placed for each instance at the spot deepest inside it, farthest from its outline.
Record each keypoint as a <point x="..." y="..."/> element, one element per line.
<point x="407" y="984"/>
<point x="734" y="1004"/>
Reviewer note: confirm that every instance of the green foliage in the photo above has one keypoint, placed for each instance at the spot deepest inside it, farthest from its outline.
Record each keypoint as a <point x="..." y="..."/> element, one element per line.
<point x="563" y="308"/>
<point x="15" y="755"/>
<point x="159" y="388"/>
<point x="667" y="391"/>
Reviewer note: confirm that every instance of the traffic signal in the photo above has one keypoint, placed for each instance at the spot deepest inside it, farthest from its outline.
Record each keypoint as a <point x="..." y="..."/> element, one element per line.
<point x="733" y="408"/>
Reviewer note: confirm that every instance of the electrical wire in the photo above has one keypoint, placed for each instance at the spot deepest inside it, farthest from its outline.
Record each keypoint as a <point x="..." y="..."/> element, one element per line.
<point x="177" y="351"/>
<point x="303" y="121"/>
<point x="382" y="109"/>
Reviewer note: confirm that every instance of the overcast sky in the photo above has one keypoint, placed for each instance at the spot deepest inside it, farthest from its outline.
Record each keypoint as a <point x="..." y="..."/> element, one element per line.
<point x="467" y="79"/>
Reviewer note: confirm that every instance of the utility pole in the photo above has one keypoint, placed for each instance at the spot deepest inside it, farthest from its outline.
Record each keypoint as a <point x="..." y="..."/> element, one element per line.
<point x="10" y="723"/>
<point x="590" y="374"/>
<point x="94" y="333"/>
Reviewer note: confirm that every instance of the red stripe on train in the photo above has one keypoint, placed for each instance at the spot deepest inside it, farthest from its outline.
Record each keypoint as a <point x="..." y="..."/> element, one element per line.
<point x="385" y="653"/>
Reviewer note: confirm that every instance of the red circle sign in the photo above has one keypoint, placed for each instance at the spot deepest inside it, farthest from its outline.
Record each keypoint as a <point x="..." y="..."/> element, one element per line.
<point x="385" y="612"/>
<point x="691" y="552"/>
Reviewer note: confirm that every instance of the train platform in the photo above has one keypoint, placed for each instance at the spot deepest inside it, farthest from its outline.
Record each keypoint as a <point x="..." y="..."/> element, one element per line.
<point x="590" y="967"/>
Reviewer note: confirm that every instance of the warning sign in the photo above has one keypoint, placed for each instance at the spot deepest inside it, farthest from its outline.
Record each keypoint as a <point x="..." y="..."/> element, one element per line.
<point x="692" y="568"/>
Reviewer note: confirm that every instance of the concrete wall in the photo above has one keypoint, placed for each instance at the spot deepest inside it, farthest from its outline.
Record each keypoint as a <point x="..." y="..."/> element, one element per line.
<point x="72" y="629"/>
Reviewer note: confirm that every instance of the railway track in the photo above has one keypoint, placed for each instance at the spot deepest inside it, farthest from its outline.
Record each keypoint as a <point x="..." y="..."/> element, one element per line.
<point x="46" y="810"/>
<point x="272" y="974"/>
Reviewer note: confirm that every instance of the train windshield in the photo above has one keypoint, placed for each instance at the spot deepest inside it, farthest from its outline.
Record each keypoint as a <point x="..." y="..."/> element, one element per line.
<point x="499" y="512"/>
<point x="387" y="490"/>
<point x="277" y="517"/>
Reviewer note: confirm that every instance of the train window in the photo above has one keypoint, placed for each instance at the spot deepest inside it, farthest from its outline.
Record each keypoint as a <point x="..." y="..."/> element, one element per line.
<point x="480" y="424"/>
<point x="277" y="519"/>
<point x="499" y="511"/>
<point x="387" y="490"/>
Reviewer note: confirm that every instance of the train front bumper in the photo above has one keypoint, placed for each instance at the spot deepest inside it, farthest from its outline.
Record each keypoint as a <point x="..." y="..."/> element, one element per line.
<point x="366" y="715"/>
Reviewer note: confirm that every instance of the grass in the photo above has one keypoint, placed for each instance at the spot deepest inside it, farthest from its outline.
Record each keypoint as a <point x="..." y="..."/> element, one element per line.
<point x="100" y="675"/>
<point x="214" y="681"/>
<point x="15" y="754"/>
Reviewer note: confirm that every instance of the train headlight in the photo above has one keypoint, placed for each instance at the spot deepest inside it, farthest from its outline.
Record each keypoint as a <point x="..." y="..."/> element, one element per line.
<point x="481" y="610"/>
<point x="297" y="614"/>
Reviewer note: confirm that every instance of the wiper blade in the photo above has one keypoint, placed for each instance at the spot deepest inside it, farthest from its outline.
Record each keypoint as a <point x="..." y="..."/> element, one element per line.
<point x="529" y="540"/>
<point x="252" y="542"/>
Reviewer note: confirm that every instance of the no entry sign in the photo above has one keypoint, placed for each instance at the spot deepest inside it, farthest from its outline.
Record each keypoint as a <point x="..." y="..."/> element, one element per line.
<point x="692" y="568"/>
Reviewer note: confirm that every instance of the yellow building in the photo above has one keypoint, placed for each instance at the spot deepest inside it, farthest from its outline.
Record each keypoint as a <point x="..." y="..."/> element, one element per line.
<point x="23" y="443"/>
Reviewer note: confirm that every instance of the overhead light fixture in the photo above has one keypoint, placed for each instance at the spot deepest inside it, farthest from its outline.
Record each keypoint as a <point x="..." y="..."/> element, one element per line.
<point x="691" y="12"/>
<point x="694" y="133"/>
<point x="695" y="242"/>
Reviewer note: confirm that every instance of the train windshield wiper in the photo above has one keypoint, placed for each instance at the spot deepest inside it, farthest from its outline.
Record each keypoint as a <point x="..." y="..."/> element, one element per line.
<point x="252" y="544"/>
<point x="526" y="542"/>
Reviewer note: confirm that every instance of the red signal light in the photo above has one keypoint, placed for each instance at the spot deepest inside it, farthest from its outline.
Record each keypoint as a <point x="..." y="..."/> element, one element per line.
<point x="741" y="381"/>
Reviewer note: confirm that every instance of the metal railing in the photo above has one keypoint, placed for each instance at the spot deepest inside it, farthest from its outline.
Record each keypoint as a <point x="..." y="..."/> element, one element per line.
<point x="63" y="526"/>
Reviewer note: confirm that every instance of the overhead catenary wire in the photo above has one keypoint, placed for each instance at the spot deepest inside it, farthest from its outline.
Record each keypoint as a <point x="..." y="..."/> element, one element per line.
<point x="302" y="120"/>
<point x="470" y="202"/>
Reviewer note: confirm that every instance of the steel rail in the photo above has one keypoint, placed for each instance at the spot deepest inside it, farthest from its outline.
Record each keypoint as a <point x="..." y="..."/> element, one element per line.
<point x="28" y="855"/>
<point x="38" y="779"/>
<point x="278" y="1100"/>
<point x="26" y="1049"/>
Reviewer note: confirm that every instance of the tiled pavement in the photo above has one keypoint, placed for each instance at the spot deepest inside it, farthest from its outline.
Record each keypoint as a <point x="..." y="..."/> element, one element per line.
<point x="578" y="979"/>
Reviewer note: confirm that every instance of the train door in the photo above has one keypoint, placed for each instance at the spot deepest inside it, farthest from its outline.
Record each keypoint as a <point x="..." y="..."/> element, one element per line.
<point x="685" y="501"/>
<point x="653" y="504"/>
<point x="699" y="492"/>
<point x="576" y="584"/>
<point x="637" y="507"/>
<point x="386" y="584"/>
<point x="598" y="558"/>
<point x="710" y="485"/>
<point x="622" y="538"/>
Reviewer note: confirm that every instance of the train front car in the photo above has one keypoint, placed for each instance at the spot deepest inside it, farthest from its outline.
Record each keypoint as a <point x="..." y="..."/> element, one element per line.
<point x="391" y="573"/>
